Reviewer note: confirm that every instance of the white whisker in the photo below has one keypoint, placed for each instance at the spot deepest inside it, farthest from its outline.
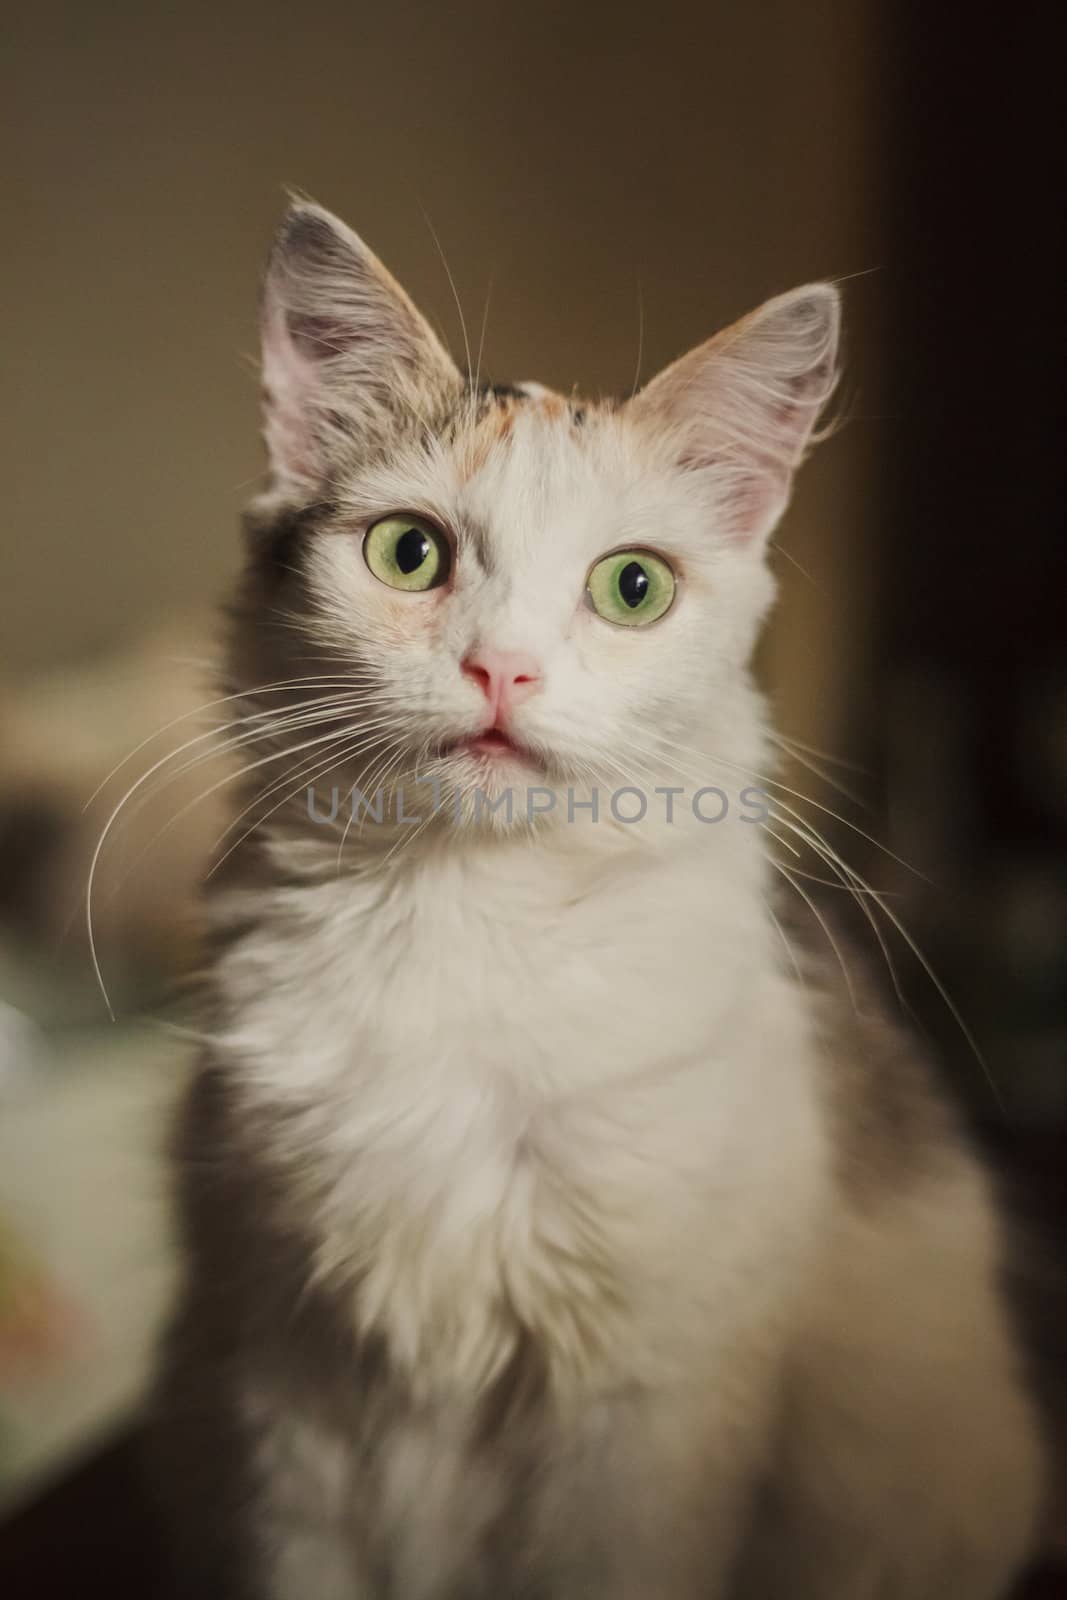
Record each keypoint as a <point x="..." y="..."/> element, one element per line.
<point x="452" y="286"/>
<point x="821" y="920"/>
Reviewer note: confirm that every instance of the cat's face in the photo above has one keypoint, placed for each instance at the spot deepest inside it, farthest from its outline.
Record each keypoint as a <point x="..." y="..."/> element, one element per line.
<point x="523" y="589"/>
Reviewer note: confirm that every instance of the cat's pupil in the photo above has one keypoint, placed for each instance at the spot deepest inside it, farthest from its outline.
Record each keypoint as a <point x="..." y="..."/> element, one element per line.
<point x="412" y="548"/>
<point x="633" y="583"/>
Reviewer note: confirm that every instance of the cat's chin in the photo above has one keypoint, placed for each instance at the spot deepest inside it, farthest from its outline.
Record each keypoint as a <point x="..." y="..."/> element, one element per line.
<point x="493" y="785"/>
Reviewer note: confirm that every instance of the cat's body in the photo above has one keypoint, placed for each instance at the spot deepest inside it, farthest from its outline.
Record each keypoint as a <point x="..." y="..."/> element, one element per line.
<point x="550" y="1235"/>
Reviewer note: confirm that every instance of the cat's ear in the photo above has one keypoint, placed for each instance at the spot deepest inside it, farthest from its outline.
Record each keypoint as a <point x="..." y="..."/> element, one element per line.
<point x="345" y="353"/>
<point x="741" y="408"/>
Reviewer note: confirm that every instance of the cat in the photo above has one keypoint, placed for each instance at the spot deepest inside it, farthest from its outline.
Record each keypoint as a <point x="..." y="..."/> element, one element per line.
<point x="554" y="1228"/>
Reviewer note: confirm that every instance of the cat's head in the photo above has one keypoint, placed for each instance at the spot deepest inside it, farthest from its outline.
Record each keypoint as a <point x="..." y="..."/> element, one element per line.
<point x="504" y="586"/>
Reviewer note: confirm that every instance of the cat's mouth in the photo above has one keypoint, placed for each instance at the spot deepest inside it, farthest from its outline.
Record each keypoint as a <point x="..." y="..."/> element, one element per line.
<point x="493" y="744"/>
<point x="494" y="741"/>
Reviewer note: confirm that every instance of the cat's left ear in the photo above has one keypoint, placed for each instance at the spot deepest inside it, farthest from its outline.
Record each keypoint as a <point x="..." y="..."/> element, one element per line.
<point x="741" y="408"/>
<point x="346" y="355"/>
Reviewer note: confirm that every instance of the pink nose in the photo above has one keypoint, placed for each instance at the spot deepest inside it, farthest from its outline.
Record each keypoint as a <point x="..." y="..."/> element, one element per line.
<point x="504" y="676"/>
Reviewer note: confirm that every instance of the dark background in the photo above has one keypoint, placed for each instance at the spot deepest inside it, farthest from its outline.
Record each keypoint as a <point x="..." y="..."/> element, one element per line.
<point x="968" y="735"/>
<point x="687" y="159"/>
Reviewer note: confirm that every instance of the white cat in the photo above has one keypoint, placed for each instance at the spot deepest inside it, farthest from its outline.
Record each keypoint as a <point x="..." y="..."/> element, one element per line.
<point x="550" y="1233"/>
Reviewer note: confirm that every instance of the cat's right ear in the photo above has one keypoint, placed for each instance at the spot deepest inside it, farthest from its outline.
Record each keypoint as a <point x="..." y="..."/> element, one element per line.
<point x="345" y="353"/>
<point x="740" y="410"/>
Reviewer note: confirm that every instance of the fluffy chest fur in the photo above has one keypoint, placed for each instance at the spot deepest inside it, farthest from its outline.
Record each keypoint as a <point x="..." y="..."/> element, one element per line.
<point x="527" y="1092"/>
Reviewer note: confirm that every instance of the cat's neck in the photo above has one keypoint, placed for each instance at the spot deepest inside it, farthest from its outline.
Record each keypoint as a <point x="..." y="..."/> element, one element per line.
<point x="562" y="956"/>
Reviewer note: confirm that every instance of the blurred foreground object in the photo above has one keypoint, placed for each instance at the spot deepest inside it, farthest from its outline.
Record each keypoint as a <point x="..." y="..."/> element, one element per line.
<point x="86" y="1257"/>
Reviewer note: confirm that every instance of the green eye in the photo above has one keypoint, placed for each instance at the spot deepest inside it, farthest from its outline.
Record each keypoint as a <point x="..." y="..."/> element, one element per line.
<point x="631" y="587"/>
<point x="407" y="553"/>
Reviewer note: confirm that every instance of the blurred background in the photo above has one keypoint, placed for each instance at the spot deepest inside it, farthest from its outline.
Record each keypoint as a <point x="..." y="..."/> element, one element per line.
<point x="609" y="184"/>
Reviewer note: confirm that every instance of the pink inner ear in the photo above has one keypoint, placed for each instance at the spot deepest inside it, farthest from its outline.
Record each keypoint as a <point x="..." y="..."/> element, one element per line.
<point x="289" y="382"/>
<point x="751" y="489"/>
<point x="752" y="498"/>
<point x="317" y="338"/>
